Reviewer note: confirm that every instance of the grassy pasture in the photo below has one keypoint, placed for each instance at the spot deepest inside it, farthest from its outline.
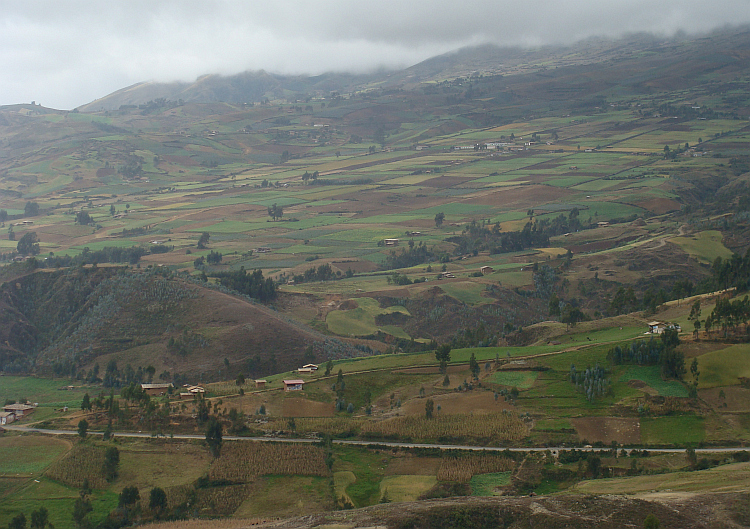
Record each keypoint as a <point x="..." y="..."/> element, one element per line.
<point x="721" y="368"/>
<point x="728" y="478"/>
<point x="677" y="430"/>
<point x="485" y="484"/>
<point x="651" y="376"/>
<point x="405" y="487"/>
<point x="29" y="454"/>
<point x="705" y="246"/>
<point x="360" y="321"/>
<point x="519" y="379"/>
<point x="47" y="392"/>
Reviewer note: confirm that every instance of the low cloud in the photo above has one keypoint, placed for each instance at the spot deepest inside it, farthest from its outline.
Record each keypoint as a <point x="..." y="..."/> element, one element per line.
<point x="64" y="54"/>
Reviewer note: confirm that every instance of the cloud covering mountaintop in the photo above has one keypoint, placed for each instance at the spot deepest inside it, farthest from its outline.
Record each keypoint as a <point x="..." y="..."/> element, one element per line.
<point x="64" y="54"/>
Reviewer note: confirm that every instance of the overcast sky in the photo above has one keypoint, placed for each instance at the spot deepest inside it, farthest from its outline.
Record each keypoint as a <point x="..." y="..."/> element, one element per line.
<point x="67" y="53"/>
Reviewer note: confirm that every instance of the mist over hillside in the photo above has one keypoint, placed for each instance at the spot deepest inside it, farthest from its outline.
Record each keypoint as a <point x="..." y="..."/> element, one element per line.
<point x="486" y="59"/>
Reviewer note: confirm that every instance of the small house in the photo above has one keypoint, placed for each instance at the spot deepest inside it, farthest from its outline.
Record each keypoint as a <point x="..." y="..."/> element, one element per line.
<point x="304" y="371"/>
<point x="156" y="390"/>
<point x="19" y="410"/>
<point x="7" y="417"/>
<point x="294" y="385"/>
<point x="658" y="327"/>
<point x="312" y="367"/>
<point x="193" y="390"/>
<point x="391" y="242"/>
<point x="260" y="384"/>
<point x="486" y="270"/>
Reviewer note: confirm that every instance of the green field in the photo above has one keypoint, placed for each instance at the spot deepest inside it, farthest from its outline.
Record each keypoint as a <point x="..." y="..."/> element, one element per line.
<point x="681" y="430"/>
<point x="706" y="246"/>
<point x="723" y="367"/>
<point x="484" y="484"/>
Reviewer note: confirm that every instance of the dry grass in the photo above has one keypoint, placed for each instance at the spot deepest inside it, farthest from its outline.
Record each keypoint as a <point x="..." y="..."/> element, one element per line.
<point x="243" y="462"/>
<point x="489" y="427"/>
<point x="462" y="469"/>
<point x="200" y="524"/>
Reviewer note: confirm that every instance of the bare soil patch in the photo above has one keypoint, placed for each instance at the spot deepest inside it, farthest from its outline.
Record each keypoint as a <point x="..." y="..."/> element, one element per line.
<point x="608" y="429"/>
<point x="659" y="206"/>
<point x="297" y="407"/>
<point x="736" y="398"/>
<point x="471" y="402"/>
<point x="520" y="196"/>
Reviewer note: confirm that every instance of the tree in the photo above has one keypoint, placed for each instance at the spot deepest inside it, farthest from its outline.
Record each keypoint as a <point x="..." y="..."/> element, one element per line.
<point x="31" y="209"/>
<point x="214" y="432"/>
<point x="594" y="464"/>
<point x="240" y="380"/>
<point x="203" y="241"/>
<point x="692" y="459"/>
<point x="429" y="408"/>
<point x="39" y="518"/>
<point x="18" y="522"/>
<point x="670" y="338"/>
<point x="554" y="305"/>
<point x="275" y="211"/>
<point x="329" y="367"/>
<point x="439" y="218"/>
<point x="81" y="508"/>
<point x="111" y="462"/>
<point x="474" y="366"/>
<point x="443" y="353"/>
<point x="694" y="370"/>
<point x="157" y="500"/>
<point x="651" y="522"/>
<point x="28" y="244"/>
<point x="3" y="215"/>
<point x="83" y="427"/>
<point x="112" y="210"/>
<point x="86" y="402"/>
<point x="214" y="258"/>
<point x="128" y="496"/>
<point x="379" y="137"/>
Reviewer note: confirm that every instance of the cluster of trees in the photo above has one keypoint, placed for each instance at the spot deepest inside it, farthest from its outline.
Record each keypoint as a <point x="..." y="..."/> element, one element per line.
<point x="727" y="315"/>
<point x="28" y="244"/>
<point x="323" y="272"/>
<point x="568" y="312"/>
<point x="113" y="254"/>
<point x="732" y="272"/>
<point x="84" y="219"/>
<point x="478" y="336"/>
<point x="249" y="283"/>
<point x="117" y="378"/>
<point x="661" y="352"/>
<point x="310" y="176"/>
<point x="213" y="258"/>
<point x="402" y="279"/>
<point x="535" y="234"/>
<point x="592" y="382"/>
<point x="415" y="254"/>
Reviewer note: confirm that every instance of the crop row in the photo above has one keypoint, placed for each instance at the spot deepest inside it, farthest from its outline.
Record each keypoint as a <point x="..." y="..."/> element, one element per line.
<point x="83" y="462"/>
<point x="462" y="469"/>
<point x="242" y="462"/>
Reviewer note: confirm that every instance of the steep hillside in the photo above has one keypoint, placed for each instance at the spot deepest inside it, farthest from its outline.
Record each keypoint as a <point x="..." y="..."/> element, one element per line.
<point x="69" y="320"/>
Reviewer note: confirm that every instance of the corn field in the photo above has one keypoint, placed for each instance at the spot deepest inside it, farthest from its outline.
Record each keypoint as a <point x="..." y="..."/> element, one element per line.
<point x="462" y="469"/>
<point x="82" y="462"/>
<point x="487" y="428"/>
<point x="242" y="462"/>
